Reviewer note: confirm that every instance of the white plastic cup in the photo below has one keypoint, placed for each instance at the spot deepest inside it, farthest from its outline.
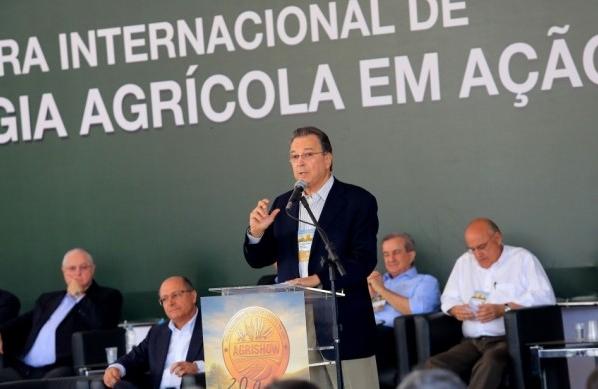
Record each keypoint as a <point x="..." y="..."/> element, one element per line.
<point x="580" y="329"/>
<point x="111" y="354"/>
<point x="593" y="330"/>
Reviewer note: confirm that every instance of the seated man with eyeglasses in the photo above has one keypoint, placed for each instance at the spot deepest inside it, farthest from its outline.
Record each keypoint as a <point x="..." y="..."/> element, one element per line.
<point x="490" y="279"/>
<point x="171" y="349"/>
<point x="37" y="344"/>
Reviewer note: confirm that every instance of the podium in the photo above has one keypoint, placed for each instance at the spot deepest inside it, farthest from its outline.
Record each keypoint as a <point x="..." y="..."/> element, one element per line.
<point x="255" y="334"/>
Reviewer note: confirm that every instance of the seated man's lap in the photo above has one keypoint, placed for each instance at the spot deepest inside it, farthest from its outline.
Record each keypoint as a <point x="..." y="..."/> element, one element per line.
<point x="495" y="352"/>
<point x="459" y="358"/>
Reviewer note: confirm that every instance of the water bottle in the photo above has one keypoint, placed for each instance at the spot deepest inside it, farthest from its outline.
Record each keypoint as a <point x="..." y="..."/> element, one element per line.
<point x="130" y="338"/>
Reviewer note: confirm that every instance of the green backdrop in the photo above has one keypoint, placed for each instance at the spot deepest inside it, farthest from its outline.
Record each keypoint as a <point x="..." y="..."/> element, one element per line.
<point x="174" y="199"/>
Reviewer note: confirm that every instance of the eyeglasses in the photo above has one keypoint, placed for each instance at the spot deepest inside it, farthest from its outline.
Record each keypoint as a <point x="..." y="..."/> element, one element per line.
<point x="174" y="296"/>
<point x="308" y="155"/>
<point x="481" y="247"/>
<point x="72" y="269"/>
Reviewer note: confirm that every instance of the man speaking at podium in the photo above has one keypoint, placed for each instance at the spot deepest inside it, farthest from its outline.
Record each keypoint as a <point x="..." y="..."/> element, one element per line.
<point x="348" y="215"/>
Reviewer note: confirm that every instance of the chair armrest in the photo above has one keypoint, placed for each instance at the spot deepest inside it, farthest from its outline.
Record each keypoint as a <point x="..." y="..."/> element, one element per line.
<point x="435" y="333"/>
<point x="89" y="347"/>
<point x="405" y="343"/>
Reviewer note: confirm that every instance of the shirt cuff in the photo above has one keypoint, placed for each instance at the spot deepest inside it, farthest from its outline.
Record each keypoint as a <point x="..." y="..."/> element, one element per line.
<point x="252" y="239"/>
<point x="120" y="368"/>
<point x="201" y="366"/>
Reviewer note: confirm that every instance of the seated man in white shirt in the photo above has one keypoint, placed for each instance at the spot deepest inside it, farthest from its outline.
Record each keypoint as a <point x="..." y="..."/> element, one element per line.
<point x="488" y="280"/>
<point x="171" y="349"/>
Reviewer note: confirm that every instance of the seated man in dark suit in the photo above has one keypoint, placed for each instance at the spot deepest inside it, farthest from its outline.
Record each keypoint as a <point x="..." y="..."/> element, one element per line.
<point x="37" y="344"/>
<point x="171" y="349"/>
<point x="9" y="306"/>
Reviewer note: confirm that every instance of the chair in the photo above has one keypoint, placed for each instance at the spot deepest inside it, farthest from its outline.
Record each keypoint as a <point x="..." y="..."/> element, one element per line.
<point x="534" y="325"/>
<point x="406" y="344"/>
<point x="438" y="332"/>
<point x="396" y="350"/>
<point x="89" y="348"/>
<point x="9" y="306"/>
<point x="435" y="333"/>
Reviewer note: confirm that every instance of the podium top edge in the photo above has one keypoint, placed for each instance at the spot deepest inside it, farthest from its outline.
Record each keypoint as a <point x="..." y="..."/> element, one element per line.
<point x="276" y="288"/>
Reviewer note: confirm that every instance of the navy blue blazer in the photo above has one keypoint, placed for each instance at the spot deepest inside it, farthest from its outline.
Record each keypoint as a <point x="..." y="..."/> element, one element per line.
<point x="350" y="218"/>
<point x="150" y="354"/>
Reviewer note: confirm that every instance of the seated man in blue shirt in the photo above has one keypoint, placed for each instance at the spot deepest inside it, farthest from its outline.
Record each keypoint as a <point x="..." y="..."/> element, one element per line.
<point x="401" y="291"/>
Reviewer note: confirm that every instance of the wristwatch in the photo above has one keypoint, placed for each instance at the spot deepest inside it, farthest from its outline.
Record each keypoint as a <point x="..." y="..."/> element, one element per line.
<point x="507" y="308"/>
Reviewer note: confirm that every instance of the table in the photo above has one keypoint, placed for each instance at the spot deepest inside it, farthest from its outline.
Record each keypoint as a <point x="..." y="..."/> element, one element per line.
<point x="560" y="349"/>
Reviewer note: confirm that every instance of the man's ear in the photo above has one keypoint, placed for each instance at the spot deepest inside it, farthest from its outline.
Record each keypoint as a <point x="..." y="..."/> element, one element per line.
<point x="411" y="257"/>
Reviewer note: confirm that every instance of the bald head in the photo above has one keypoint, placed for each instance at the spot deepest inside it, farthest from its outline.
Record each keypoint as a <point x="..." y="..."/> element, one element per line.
<point x="481" y="223"/>
<point x="484" y="240"/>
<point x="77" y="252"/>
<point x="179" y="299"/>
<point x="78" y="268"/>
<point x="177" y="280"/>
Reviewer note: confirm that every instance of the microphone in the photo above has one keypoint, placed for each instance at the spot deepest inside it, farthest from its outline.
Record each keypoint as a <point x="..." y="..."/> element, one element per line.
<point x="296" y="195"/>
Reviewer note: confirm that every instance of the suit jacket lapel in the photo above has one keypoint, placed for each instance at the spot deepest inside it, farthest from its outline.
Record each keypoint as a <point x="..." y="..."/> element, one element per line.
<point x="196" y="345"/>
<point x="53" y="304"/>
<point x="335" y="203"/>
<point x="163" y="342"/>
<point x="292" y="226"/>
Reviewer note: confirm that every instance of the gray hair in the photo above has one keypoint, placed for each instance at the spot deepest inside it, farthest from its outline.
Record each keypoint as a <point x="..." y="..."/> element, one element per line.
<point x="432" y="379"/>
<point x="409" y="241"/>
<point x="71" y="251"/>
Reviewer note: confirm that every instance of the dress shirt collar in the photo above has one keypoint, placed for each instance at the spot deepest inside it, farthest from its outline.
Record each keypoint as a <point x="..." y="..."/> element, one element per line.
<point x="322" y="194"/>
<point x="409" y="273"/>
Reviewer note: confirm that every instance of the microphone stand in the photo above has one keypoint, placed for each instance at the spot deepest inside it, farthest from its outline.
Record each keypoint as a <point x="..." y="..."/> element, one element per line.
<point x="333" y="264"/>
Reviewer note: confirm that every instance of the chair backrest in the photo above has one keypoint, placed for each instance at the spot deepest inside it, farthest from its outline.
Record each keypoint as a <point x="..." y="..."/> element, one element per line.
<point x="405" y="344"/>
<point x="435" y="333"/>
<point x="89" y="347"/>
<point x="9" y="306"/>
<point x="533" y="325"/>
